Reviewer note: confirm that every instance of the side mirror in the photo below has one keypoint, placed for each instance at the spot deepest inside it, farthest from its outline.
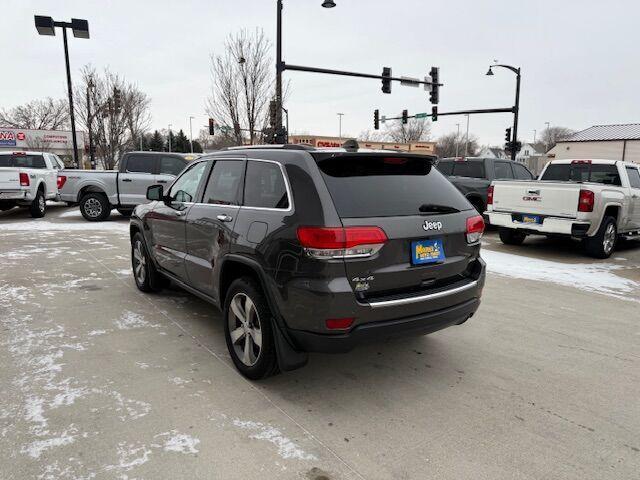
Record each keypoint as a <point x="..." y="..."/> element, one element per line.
<point x="155" y="192"/>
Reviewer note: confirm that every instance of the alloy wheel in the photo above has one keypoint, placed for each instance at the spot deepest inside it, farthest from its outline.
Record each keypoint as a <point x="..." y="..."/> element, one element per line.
<point x="609" y="238"/>
<point x="93" y="207"/>
<point x="245" y="329"/>
<point x="139" y="262"/>
<point x="41" y="203"/>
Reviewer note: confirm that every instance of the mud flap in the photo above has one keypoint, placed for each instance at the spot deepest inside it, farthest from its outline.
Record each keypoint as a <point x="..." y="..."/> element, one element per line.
<point x="288" y="357"/>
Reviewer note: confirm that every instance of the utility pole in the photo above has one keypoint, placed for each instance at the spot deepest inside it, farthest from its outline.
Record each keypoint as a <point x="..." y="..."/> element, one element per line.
<point x="191" y="133"/>
<point x="169" y="138"/>
<point x="457" y="139"/>
<point x="279" y="69"/>
<point x="466" y="143"/>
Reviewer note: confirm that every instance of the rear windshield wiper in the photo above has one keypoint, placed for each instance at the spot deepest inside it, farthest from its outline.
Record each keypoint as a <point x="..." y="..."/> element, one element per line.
<point x="435" y="208"/>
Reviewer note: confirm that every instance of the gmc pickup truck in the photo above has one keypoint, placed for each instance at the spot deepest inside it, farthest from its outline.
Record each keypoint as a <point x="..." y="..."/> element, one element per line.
<point x="28" y="179"/>
<point x="596" y="201"/>
<point x="100" y="191"/>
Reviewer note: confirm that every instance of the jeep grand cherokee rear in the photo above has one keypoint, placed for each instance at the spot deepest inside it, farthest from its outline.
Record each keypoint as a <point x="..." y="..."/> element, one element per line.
<point x="409" y="244"/>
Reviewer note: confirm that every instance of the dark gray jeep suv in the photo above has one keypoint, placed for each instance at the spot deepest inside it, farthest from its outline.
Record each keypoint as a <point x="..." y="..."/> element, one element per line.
<point x="312" y="250"/>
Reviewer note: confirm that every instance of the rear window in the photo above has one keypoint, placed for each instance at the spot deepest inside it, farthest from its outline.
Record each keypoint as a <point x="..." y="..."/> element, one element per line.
<point x="22" y="161"/>
<point x="445" y="167"/>
<point x="140" y="164"/>
<point x="582" y="172"/>
<point x="469" y="169"/>
<point x="379" y="186"/>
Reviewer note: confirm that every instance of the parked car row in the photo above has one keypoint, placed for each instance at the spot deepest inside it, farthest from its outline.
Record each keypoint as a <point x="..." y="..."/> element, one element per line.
<point x="596" y="201"/>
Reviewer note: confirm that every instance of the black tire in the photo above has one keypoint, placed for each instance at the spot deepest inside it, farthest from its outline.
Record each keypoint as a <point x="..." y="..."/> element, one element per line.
<point x="125" y="212"/>
<point x="478" y="204"/>
<point x="259" y="325"/>
<point x="147" y="279"/>
<point x="95" y="207"/>
<point x="38" y="207"/>
<point x="509" y="236"/>
<point x="603" y="243"/>
<point x="6" y="206"/>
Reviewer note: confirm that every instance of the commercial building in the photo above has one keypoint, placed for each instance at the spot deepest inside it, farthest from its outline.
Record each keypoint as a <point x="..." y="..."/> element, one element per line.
<point x="59" y="142"/>
<point x="615" y="142"/>
<point x="428" y="148"/>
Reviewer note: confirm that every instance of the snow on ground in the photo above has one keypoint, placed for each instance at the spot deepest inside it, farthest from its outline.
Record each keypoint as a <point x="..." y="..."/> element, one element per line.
<point x="286" y="448"/>
<point x="71" y="213"/>
<point x="46" y="225"/>
<point x="591" y="277"/>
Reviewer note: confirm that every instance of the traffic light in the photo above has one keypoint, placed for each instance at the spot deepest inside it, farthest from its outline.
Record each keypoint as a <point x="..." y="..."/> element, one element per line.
<point x="386" y="82"/>
<point x="405" y="116"/>
<point x="273" y="113"/>
<point x="211" y="128"/>
<point x="507" y="134"/>
<point x="434" y="94"/>
<point x="434" y="113"/>
<point x="376" y="119"/>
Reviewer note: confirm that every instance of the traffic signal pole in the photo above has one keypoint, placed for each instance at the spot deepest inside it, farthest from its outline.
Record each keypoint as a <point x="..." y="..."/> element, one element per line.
<point x="516" y="109"/>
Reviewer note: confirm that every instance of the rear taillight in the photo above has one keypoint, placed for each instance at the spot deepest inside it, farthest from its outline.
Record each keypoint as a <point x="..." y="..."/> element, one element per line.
<point x="341" y="242"/>
<point x="339" y="323"/>
<point x="490" y="195"/>
<point x="475" y="228"/>
<point x="62" y="179"/>
<point x="24" y="179"/>
<point x="586" y="201"/>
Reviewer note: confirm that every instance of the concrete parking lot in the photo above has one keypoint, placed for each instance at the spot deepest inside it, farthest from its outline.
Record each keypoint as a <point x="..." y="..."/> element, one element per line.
<point x="98" y="380"/>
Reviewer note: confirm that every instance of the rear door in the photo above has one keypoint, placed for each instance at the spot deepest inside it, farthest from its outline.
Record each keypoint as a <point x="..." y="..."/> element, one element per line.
<point x="634" y="181"/>
<point x="137" y="176"/>
<point x="167" y="221"/>
<point x="419" y="211"/>
<point x="210" y="224"/>
<point x="51" y="175"/>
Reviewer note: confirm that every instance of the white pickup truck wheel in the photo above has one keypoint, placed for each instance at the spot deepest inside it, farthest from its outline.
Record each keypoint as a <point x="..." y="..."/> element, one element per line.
<point x="38" y="207"/>
<point x="509" y="236"/>
<point x="95" y="207"/>
<point x="603" y="243"/>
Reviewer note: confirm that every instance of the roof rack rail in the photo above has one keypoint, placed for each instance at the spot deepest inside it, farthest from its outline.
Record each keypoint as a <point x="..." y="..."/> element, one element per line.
<point x="287" y="146"/>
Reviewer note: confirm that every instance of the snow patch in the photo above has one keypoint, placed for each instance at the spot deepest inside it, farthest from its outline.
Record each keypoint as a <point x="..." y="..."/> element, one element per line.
<point x="179" y="442"/>
<point x="129" y="320"/>
<point x="47" y="226"/>
<point x="287" y="449"/>
<point x="95" y="333"/>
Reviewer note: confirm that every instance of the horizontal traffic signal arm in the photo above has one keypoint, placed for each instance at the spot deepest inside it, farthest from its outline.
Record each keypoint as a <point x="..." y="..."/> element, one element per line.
<point x="458" y="112"/>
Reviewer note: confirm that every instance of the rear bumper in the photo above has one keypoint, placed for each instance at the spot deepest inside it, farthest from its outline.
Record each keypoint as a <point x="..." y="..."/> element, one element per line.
<point x="370" y="332"/>
<point x="15" y="195"/>
<point x="549" y="225"/>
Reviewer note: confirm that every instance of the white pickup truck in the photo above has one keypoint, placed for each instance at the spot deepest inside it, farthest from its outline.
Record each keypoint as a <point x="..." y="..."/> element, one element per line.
<point x="596" y="201"/>
<point x="29" y="179"/>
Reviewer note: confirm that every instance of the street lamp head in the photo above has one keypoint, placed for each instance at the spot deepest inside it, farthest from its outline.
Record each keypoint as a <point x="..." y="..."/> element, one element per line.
<point x="328" y="4"/>
<point x="44" y="25"/>
<point x="490" y="72"/>
<point x="80" y="28"/>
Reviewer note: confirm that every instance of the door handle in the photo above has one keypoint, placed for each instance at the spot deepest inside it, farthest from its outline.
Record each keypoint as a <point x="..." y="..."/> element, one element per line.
<point x="180" y="213"/>
<point x="162" y="181"/>
<point x="224" y="217"/>
<point x="126" y="180"/>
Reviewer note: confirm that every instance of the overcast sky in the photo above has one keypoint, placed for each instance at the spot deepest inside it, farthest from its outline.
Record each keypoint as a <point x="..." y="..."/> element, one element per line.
<point x="579" y="58"/>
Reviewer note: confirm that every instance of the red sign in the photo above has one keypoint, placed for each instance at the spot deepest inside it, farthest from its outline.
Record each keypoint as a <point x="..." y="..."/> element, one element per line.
<point x="20" y="136"/>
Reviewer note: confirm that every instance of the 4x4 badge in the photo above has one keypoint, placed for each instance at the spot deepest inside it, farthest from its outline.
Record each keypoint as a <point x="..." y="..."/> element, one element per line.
<point x="431" y="225"/>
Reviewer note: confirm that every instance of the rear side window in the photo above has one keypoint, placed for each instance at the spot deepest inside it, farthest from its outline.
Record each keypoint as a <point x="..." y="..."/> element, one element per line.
<point x="380" y="186"/>
<point x="264" y="186"/>
<point x="583" y="172"/>
<point x="634" y="177"/>
<point x="502" y="171"/>
<point x="521" y="172"/>
<point x="22" y="161"/>
<point x="140" y="163"/>
<point x="224" y="182"/>
<point x="445" y="167"/>
<point x="171" y="166"/>
<point x="468" y="169"/>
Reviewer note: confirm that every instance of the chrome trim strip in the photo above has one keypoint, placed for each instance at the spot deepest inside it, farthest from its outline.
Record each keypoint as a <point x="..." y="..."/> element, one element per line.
<point x="430" y="296"/>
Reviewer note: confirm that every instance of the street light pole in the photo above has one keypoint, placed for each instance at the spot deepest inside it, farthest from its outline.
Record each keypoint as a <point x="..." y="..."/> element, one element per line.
<point x="169" y="138"/>
<point x="340" y="125"/>
<point x="457" y="139"/>
<point x="466" y="142"/>
<point x="191" y="133"/>
<point x="92" y="157"/>
<point x="76" y="161"/>
<point x="516" y="107"/>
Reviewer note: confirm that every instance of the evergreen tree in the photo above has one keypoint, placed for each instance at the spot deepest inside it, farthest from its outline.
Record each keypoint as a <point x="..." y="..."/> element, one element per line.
<point x="157" y="142"/>
<point x="197" y="148"/>
<point x="181" y="143"/>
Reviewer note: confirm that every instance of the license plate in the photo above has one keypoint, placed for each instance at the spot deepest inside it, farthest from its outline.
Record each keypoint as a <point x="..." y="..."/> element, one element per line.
<point x="427" y="251"/>
<point x="531" y="219"/>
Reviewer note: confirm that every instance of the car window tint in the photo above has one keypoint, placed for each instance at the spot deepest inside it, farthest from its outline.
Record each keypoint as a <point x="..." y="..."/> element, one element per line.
<point x="521" y="173"/>
<point x="468" y="169"/>
<point x="171" y="165"/>
<point x="583" y="172"/>
<point x="264" y="186"/>
<point x="184" y="189"/>
<point x="23" y="161"/>
<point x="140" y="163"/>
<point x="445" y="167"/>
<point x="634" y="177"/>
<point x="502" y="170"/>
<point x="605" y="174"/>
<point x="385" y="186"/>
<point x="224" y="182"/>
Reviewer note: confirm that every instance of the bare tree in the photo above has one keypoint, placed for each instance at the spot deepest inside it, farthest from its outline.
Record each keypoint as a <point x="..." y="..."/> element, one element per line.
<point x="371" y="136"/>
<point x="452" y="144"/>
<point x="415" y="130"/>
<point x="242" y="84"/>
<point x="119" y="113"/>
<point x="550" y="137"/>
<point x="47" y="114"/>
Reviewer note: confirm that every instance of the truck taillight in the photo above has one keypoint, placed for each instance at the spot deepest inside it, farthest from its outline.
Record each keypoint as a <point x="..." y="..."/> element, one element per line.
<point x="62" y="179"/>
<point x="341" y="242"/>
<point x="490" y="195"/>
<point x="586" y="201"/>
<point x="475" y="228"/>
<point x="24" y="179"/>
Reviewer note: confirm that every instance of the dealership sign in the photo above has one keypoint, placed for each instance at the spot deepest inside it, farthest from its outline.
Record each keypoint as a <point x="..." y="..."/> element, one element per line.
<point x="38" y="139"/>
<point x="7" y="138"/>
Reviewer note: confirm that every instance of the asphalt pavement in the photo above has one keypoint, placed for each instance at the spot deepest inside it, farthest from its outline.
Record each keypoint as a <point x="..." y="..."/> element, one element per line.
<point x="98" y="380"/>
